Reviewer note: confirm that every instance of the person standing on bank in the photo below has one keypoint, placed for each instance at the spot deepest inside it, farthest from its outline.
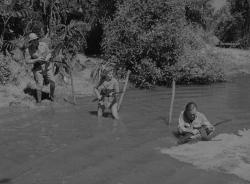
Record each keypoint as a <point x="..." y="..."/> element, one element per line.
<point x="39" y="55"/>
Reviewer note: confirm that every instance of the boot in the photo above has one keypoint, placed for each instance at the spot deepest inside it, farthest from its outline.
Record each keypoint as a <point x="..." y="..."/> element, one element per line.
<point x="39" y="96"/>
<point x="52" y="90"/>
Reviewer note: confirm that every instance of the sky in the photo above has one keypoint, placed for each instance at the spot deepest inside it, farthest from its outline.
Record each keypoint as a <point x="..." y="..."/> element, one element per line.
<point x="218" y="3"/>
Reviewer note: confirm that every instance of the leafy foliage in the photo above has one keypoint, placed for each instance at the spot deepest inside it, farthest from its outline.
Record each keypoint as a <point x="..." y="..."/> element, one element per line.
<point x="233" y="22"/>
<point x="70" y="37"/>
<point x="144" y="30"/>
<point x="199" y="68"/>
<point x="4" y="70"/>
<point x="149" y="38"/>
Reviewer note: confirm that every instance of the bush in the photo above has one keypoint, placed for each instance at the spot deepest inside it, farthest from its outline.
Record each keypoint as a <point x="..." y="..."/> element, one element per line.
<point x="146" y="74"/>
<point x="202" y="67"/>
<point x="4" y="70"/>
<point x="150" y="37"/>
<point x="144" y="31"/>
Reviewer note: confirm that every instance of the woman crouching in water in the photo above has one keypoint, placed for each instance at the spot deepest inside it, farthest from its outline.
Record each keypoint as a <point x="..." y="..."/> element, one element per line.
<point x="107" y="93"/>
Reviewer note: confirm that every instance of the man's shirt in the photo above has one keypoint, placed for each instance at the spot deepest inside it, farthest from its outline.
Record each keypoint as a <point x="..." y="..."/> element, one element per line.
<point x="200" y="120"/>
<point x="42" y="51"/>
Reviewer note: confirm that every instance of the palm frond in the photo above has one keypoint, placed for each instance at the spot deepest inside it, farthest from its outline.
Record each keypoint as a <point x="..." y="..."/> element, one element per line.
<point x="98" y="73"/>
<point x="24" y="13"/>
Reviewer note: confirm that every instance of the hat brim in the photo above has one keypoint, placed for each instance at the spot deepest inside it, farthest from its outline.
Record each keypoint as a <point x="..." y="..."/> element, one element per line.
<point x="33" y="39"/>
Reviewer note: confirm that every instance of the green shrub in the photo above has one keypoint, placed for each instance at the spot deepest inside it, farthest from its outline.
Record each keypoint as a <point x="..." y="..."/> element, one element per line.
<point x="5" y="72"/>
<point x="151" y="37"/>
<point x="145" y="36"/>
<point x="199" y="67"/>
<point x="146" y="74"/>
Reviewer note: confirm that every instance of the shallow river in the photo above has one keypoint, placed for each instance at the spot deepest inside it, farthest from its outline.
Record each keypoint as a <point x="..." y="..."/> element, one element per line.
<point x="68" y="144"/>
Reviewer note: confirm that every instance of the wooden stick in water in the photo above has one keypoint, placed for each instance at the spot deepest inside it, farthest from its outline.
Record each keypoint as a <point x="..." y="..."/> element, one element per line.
<point x="73" y="88"/>
<point x="124" y="90"/>
<point x="172" y="103"/>
<point x="221" y="122"/>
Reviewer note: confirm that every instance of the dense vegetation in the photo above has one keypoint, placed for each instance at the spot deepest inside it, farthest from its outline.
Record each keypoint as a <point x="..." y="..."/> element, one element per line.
<point x="157" y="40"/>
<point x="233" y="23"/>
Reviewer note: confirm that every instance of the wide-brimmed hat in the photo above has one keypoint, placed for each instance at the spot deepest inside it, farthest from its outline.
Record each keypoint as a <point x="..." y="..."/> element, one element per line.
<point x="33" y="36"/>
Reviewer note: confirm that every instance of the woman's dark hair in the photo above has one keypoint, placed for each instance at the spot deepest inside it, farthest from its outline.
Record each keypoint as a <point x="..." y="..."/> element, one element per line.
<point x="190" y="106"/>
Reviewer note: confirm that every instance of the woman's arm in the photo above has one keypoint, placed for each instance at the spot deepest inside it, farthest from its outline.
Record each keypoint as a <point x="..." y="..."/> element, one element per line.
<point x="32" y="61"/>
<point x="97" y="93"/>
<point x="97" y="90"/>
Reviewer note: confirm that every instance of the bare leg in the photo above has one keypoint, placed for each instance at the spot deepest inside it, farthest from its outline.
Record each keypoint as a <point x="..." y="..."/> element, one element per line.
<point x="39" y="95"/>
<point x="114" y="111"/>
<point x="39" y="85"/>
<point x="100" y="112"/>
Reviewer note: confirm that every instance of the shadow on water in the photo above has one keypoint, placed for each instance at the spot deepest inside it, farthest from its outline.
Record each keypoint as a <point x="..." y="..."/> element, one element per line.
<point x="5" y="181"/>
<point x="32" y="92"/>
<point x="163" y="120"/>
<point x="105" y="114"/>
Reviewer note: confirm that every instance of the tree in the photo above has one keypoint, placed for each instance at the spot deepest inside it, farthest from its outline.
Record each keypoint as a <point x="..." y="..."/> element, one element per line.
<point x="67" y="41"/>
<point x="144" y="37"/>
<point x="234" y="24"/>
<point x="152" y="38"/>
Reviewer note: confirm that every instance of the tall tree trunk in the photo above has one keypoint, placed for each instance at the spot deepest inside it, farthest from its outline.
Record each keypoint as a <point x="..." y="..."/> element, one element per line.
<point x="247" y="25"/>
<point x="72" y="86"/>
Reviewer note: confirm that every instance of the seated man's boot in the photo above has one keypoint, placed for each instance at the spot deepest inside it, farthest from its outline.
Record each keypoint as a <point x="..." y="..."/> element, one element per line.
<point x="52" y="90"/>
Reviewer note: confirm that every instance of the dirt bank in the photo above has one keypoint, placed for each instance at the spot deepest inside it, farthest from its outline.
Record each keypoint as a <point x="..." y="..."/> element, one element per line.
<point x="20" y="92"/>
<point x="235" y="61"/>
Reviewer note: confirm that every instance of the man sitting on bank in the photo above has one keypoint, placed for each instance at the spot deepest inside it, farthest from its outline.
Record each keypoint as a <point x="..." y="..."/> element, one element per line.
<point x="194" y="125"/>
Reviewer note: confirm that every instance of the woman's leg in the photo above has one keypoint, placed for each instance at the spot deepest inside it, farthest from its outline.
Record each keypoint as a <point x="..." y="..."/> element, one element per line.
<point x="51" y="78"/>
<point x="100" y="110"/>
<point x="39" y="85"/>
<point x="114" y="111"/>
<point x="52" y="90"/>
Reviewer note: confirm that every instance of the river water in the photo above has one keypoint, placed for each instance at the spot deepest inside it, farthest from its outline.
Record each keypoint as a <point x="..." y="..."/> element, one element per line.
<point x="68" y="144"/>
<point x="230" y="150"/>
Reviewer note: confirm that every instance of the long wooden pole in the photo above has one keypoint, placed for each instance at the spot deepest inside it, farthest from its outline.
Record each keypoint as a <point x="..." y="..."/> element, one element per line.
<point x="172" y="103"/>
<point x="124" y="90"/>
<point x="72" y="87"/>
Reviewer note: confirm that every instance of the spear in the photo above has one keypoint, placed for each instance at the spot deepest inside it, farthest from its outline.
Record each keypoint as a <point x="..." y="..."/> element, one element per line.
<point x="123" y="91"/>
<point x="172" y="103"/>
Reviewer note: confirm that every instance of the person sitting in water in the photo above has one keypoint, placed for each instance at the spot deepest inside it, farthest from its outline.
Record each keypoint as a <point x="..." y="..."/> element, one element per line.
<point x="107" y="93"/>
<point x="194" y="124"/>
